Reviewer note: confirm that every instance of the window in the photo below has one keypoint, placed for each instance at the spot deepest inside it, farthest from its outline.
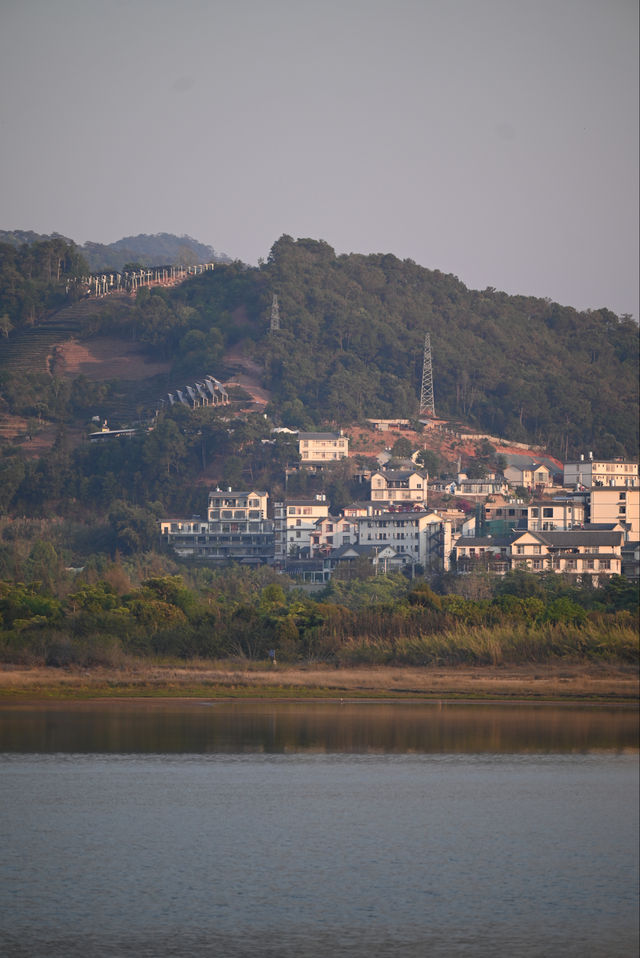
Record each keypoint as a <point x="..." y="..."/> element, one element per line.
<point x="520" y="550"/>
<point x="547" y="513"/>
<point x="537" y="550"/>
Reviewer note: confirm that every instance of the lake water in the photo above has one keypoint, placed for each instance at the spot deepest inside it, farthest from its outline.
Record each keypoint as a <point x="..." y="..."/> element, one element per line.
<point x="274" y="829"/>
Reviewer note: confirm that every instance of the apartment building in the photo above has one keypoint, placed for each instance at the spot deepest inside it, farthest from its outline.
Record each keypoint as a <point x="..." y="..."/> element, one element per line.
<point x="236" y="530"/>
<point x="577" y="552"/>
<point x="558" y="513"/>
<point x="423" y="538"/>
<point x="399" y="486"/>
<point x="295" y="523"/>
<point x="322" y="447"/>
<point x="332" y="532"/>
<point x="589" y="473"/>
<point x="621" y="503"/>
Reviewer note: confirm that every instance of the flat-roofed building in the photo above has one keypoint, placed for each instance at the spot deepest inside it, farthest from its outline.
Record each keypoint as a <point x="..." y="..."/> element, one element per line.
<point x="322" y="447"/>
<point x="616" y="504"/>
<point x="558" y="513"/>
<point x="421" y="537"/>
<point x="590" y="472"/>
<point x="236" y="530"/>
<point x="295" y="522"/>
<point x="486" y="553"/>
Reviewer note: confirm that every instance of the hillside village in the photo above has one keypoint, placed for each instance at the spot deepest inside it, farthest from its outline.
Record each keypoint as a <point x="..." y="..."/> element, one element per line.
<point x="581" y="519"/>
<point x="235" y="467"/>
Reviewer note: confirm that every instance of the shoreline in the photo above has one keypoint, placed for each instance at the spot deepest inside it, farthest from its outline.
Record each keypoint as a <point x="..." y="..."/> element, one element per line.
<point x="566" y="682"/>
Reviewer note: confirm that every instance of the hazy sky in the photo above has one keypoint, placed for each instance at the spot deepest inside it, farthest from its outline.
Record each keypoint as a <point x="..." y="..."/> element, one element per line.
<point x="493" y="139"/>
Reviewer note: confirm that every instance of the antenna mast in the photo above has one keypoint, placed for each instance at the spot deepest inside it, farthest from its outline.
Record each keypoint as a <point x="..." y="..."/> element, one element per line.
<point x="427" y="403"/>
<point x="275" y="315"/>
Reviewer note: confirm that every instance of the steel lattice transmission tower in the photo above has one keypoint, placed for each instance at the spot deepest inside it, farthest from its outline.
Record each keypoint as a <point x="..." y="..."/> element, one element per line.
<point x="427" y="403"/>
<point x="275" y="314"/>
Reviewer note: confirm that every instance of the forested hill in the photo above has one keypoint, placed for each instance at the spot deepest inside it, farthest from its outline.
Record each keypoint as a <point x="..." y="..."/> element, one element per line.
<point x="351" y="344"/>
<point x="351" y="338"/>
<point x="159" y="249"/>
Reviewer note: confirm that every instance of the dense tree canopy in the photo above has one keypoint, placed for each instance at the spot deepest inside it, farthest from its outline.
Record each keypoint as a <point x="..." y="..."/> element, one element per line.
<point x="351" y="339"/>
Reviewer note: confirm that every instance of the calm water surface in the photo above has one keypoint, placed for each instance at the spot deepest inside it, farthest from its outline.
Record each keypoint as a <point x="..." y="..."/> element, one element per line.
<point x="276" y="829"/>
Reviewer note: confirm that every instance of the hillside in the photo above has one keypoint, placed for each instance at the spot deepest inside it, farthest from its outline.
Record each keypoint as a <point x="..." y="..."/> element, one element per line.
<point x="350" y="343"/>
<point x="351" y="337"/>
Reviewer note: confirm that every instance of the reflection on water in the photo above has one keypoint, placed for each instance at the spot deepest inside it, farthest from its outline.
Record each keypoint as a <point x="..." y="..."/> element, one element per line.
<point x="204" y="726"/>
<point x="158" y="829"/>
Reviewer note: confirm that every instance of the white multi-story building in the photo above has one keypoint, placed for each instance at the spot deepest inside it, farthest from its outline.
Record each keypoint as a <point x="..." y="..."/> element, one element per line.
<point x="399" y="486"/>
<point x="560" y="513"/>
<point x="332" y="532"/>
<point x="576" y="552"/>
<point x="610" y="504"/>
<point x="423" y="538"/>
<point x="236" y="530"/>
<point x="590" y="472"/>
<point x="295" y="522"/>
<point x="322" y="447"/>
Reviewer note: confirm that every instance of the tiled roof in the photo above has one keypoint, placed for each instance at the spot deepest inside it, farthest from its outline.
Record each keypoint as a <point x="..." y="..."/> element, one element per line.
<point x="485" y="540"/>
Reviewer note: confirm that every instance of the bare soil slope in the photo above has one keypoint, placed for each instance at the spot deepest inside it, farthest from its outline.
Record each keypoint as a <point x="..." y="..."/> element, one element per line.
<point x="105" y="358"/>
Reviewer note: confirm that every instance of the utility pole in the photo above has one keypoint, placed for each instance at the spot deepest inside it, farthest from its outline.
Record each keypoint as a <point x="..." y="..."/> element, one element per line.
<point x="275" y="315"/>
<point x="427" y="403"/>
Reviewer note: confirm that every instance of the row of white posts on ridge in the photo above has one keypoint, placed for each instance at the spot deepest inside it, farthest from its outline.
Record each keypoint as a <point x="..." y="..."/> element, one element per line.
<point x="100" y="284"/>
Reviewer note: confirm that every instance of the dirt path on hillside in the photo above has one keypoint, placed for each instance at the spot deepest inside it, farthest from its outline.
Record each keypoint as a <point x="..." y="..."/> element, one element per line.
<point x="247" y="374"/>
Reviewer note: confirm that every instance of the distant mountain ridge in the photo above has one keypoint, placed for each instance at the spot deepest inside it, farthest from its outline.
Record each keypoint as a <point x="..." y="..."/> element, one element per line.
<point x="157" y="249"/>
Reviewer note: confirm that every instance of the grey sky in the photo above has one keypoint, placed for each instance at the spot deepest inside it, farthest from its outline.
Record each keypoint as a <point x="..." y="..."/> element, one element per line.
<point x="493" y="139"/>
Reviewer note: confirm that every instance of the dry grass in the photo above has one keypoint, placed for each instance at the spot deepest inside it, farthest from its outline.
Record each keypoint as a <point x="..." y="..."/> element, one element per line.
<point x="526" y="682"/>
